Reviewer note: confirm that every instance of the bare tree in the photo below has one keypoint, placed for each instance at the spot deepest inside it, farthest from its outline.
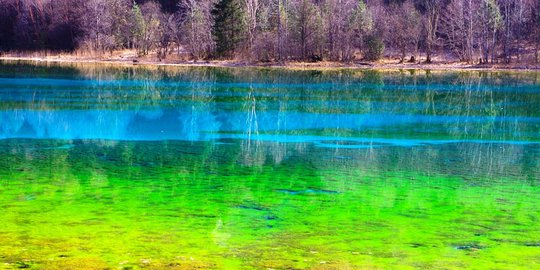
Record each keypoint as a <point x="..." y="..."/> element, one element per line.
<point x="458" y="27"/>
<point x="535" y="25"/>
<point x="490" y="22"/>
<point x="404" y="28"/>
<point x="120" y="14"/>
<point x="432" y="12"/>
<point x="30" y="28"/>
<point x="362" y="24"/>
<point x="105" y="25"/>
<point x="146" y="26"/>
<point x="282" y="28"/>
<point x="197" y="28"/>
<point x="264" y="45"/>
<point x="97" y="26"/>
<point x="347" y="21"/>
<point x="516" y="15"/>
<point x="252" y="8"/>
<point x="307" y="29"/>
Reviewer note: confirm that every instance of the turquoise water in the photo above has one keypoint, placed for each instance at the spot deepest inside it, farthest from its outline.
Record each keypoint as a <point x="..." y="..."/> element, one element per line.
<point x="106" y="167"/>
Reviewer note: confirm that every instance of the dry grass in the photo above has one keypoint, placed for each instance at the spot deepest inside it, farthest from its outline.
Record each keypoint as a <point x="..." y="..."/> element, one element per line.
<point x="130" y="57"/>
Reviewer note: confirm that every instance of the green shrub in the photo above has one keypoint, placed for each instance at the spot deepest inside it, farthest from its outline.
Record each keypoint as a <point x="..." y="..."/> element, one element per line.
<point x="373" y="48"/>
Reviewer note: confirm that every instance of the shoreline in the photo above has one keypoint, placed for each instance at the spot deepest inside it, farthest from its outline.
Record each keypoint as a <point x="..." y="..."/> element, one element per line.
<point x="380" y="66"/>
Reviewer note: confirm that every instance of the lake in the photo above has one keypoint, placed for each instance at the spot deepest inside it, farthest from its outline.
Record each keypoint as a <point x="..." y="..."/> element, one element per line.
<point x="133" y="167"/>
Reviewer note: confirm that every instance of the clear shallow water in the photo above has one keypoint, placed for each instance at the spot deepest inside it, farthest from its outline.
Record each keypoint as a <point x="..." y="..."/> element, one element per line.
<point x="190" y="168"/>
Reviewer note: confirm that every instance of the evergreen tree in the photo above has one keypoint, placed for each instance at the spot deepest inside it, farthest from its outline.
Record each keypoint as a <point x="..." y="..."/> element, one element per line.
<point x="229" y="27"/>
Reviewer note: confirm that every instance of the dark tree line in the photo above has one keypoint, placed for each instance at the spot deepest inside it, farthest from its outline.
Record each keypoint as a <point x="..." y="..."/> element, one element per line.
<point x="478" y="31"/>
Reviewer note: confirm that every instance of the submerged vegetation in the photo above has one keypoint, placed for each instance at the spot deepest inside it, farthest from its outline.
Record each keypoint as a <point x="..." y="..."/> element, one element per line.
<point x="197" y="205"/>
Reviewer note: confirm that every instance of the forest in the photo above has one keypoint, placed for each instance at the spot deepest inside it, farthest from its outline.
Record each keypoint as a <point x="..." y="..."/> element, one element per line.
<point x="472" y="31"/>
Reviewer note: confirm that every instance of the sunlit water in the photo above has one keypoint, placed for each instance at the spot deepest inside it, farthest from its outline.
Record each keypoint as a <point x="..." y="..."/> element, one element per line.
<point x="106" y="167"/>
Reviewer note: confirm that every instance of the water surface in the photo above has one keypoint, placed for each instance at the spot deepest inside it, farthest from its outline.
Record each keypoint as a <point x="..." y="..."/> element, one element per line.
<point x="107" y="167"/>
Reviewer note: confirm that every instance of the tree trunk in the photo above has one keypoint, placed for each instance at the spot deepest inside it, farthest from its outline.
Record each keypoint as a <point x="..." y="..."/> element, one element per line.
<point x="279" y="33"/>
<point x="536" y="52"/>
<point x="493" y="47"/>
